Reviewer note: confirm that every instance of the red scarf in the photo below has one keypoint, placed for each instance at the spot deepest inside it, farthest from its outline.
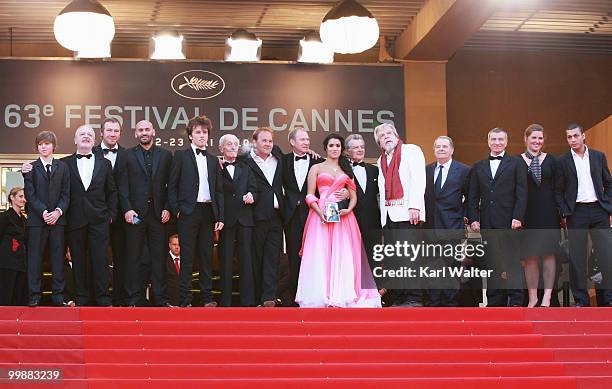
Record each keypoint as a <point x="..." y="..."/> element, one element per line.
<point x="393" y="184"/>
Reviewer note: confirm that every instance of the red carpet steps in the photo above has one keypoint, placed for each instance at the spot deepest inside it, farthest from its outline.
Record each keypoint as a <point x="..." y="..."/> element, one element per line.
<point x="284" y="347"/>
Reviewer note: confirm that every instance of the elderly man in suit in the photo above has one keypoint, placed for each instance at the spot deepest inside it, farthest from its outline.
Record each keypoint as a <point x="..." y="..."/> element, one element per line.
<point x="584" y="193"/>
<point x="194" y="195"/>
<point x="143" y="197"/>
<point x="445" y="204"/>
<point x="401" y="184"/>
<point x="93" y="204"/>
<point x="497" y="200"/>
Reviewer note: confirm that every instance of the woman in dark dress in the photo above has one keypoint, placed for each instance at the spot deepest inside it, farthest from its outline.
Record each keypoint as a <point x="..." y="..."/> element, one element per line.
<point x="13" y="281"/>
<point x="541" y="235"/>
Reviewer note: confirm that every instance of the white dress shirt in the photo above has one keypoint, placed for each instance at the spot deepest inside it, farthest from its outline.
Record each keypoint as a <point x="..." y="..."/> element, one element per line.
<point x="586" y="188"/>
<point x="300" y="169"/>
<point x="86" y="167"/>
<point x="361" y="176"/>
<point x="230" y="170"/>
<point x="112" y="157"/>
<point x="203" y="189"/>
<point x="445" y="169"/>
<point x="494" y="163"/>
<point x="268" y="167"/>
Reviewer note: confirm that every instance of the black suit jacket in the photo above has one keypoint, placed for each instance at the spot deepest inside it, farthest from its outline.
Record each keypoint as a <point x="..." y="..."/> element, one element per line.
<point x="44" y="194"/>
<point x="446" y="209"/>
<point x="265" y="192"/>
<point x="172" y="281"/>
<point x="119" y="161"/>
<point x="134" y="182"/>
<point x="233" y="190"/>
<point x="184" y="184"/>
<point x="567" y="188"/>
<point x="12" y="241"/>
<point x="367" y="210"/>
<point x="97" y="204"/>
<point x="495" y="201"/>
<point x="294" y="197"/>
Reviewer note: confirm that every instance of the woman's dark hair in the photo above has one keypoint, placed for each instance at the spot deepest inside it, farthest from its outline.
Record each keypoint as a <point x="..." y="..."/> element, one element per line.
<point x="344" y="163"/>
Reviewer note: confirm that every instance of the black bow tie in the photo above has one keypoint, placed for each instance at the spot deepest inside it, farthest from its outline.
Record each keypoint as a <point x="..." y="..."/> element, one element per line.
<point x="200" y="151"/>
<point x="304" y="157"/>
<point x="106" y="151"/>
<point x="227" y="163"/>
<point x="362" y="164"/>
<point x="79" y="156"/>
<point x="492" y="158"/>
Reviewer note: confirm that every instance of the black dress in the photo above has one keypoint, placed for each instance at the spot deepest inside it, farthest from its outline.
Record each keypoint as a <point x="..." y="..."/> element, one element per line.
<point x="13" y="286"/>
<point x="541" y="232"/>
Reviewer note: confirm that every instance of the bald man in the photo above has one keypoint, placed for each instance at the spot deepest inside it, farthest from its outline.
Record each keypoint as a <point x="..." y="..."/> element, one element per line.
<point x="144" y="202"/>
<point x="92" y="207"/>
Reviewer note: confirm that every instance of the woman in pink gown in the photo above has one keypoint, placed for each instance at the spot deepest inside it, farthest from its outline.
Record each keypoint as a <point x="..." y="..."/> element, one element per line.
<point x="334" y="271"/>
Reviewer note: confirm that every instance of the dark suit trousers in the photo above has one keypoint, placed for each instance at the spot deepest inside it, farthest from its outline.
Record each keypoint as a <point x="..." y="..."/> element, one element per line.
<point x="243" y="237"/>
<point x="196" y="238"/>
<point x="38" y="239"/>
<point x="267" y="244"/>
<point x="294" y="234"/>
<point x="503" y="255"/>
<point x="405" y="296"/>
<point x="117" y="238"/>
<point x="13" y="287"/>
<point x="89" y="250"/>
<point x="152" y="232"/>
<point x="594" y="220"/>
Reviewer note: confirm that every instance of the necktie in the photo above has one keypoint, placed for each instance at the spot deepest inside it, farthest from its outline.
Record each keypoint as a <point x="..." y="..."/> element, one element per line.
<point x="362" y="164"/>
<point x="48" y="167"/>
<point x="106" y="151"/>
<point x="438" y="182"/>
<point x="304" y="157"/>
<point x="201" y="151"/>
<point x="79" y="156"/>
<point x="534" y="167"/>
<point x="227" y="163"/>
<point x="492" y="158"/>
<point x="177" y="264"/>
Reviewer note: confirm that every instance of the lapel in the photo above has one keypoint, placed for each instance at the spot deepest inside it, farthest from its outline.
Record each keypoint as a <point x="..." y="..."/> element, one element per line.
<point x="41" y="168"/>
<point x="487" y="168"/>
<point x="503" y="164"/>
<point x="192" y="158"/>
<point x="593" y="167"/>
<point x="211" y="162"/>
<point x="54" y="167"/>
<point x="237" y="171"/>
<point x="450" y="174"/>
<point x="96" y="169"/>
<point x="429" y="175"/>
<point x="156" y="156"/>
<point x="256" y="169"/>
<point x="137" y="150"/>
<point x="291" y="170"/>
<point x="72" y="163"/>
<point x="361" y="190"/>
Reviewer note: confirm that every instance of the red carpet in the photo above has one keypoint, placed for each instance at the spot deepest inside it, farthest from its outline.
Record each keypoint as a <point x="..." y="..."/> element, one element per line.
<point x="390" y="348"/>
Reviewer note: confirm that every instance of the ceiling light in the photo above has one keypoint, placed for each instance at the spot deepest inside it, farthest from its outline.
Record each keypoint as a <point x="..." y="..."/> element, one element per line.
<point x="312" y="50"/>
<point x="349" y="28"/>
<point x="84" y="24"/>
<point x="168" y="45"/>
<point x="242" y="46"/>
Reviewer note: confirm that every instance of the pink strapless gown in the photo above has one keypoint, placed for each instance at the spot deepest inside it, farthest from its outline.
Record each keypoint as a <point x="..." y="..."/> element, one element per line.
<point x="334" y="270"/>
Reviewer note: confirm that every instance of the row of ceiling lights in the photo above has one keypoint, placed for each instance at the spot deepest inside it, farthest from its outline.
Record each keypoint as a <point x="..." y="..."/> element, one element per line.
<point x="87" y="28"/>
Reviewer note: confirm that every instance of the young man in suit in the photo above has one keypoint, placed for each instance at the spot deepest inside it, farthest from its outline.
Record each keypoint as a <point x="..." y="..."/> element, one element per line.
<point x="47" y="189"/>
<point x="173" y="269"/>
<point x="143" y="181"/>
<point x="584" y="192"/>
<point x="110" y="149"/>
<point x="239" y="190"/>
<point x="445" y="204"/>
<point x="194" y="195"/>
<point x="93" y="204"/>
<point x="401" y="184"/>
<point x="266" y="162"/>
<point x="367" y="210"/>
<point x="497" y="201"/>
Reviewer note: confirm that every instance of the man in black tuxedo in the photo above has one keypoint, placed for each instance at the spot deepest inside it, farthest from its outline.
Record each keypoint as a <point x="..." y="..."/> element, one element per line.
<point x="584" y="192"/>
<point x="239" y="190"/>
<point x="445" y="205"/>
<point x="93" y="204"/>
<point x="47" y="190"/>
<point x="144" y="202"/>
<point x="110" y="149"/>
<point x="296" y="165"/>
<point x="366" y="211"/>
<point x="173" y="269"/>
<point x="194" y="194"/>
<point x="266" y="162"/>
<point x="497" y="200"/>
